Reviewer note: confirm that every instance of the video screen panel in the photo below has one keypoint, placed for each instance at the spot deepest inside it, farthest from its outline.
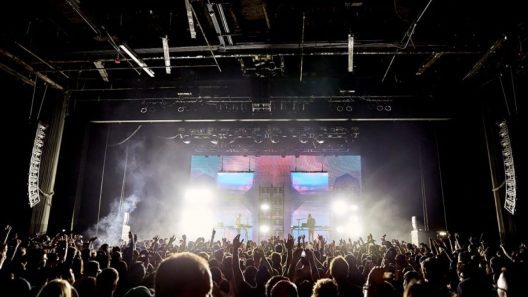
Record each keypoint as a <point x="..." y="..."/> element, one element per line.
<point x="236" y="181"/>
<point x="309" y="182"/>
<point x="311" y="174"/>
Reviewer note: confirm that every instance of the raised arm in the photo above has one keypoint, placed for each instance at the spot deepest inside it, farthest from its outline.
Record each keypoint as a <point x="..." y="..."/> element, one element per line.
<point x="7" y="230"/>
<point x="505" y="252"/>
<point x="212" y="239"/>
<point x="296" y="256"/>
<point x="237" y="279"/>
<point x="289" y="254"/>
<point x="183" y="246"/>
<point x="129" y="255"/>
<point x="314" y="272"/>
<point x="264" y="261"/>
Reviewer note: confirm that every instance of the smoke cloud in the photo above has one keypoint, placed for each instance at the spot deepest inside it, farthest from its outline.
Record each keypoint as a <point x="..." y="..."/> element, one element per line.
<point x="110" y="228"/>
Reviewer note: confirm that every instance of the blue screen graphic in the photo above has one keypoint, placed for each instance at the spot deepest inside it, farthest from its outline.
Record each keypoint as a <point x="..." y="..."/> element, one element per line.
<point x="237" y="181"/>
<point x="309" y="182"/>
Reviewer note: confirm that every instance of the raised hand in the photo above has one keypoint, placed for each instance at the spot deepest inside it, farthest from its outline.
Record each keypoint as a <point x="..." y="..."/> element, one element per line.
<point x="257" y="254"/>
<point x="309" y="254"/>
<point x="289" y="242"/>
<point x="297" y="255"/>
<point x="237" y="243"/>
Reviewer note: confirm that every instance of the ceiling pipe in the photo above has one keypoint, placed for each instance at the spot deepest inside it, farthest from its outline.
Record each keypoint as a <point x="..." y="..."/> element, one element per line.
<point x="40" y="59"/>
<point x="497" y="45"/>
<point x="284" y="54"/>
<point x="408" y="34"/>
<point x="359" y="46"/>
<point x="28" y="67"/>
<point x="16" y="74"/>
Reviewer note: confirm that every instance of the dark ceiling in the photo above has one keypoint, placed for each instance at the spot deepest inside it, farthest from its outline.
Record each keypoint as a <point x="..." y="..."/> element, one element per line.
<point x="261" y="49"/>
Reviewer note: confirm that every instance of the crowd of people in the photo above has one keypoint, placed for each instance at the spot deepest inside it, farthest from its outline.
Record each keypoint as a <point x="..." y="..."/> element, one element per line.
<point x="66" y="265"/>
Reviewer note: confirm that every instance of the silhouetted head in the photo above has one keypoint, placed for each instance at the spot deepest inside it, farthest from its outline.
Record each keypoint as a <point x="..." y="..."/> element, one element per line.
<point x="56" y="288"/>
<point x="284" y="288"/>
<point x="183" y="275"/>
<point x="339" y="268"/>
<point x="325" y="287"/>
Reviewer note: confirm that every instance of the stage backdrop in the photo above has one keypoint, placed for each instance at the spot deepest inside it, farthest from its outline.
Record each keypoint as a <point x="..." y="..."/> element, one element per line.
<point x="311" y="184"/>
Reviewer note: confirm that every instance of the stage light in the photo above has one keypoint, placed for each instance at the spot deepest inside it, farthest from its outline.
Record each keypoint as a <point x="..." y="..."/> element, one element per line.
<point x="442" y="233"/>
<point x="264" y="229"/>
<point x="350" y="53"/>
<point x="257" y="138"/>
<point x="196" y="220"/>
<point x="224" y="23"/>
<point x="136" y="59"/>
<point x="340" y="229"/>
<point x="166" y="54"/>
<point x="190" y="19"/>
<point x="353" y="207"/>
<point x="429" y="62"/>
<point x="354" y="229"/>
<point x="264" y="206"/>
<point x="198" y="195"/>
<point x="186" y="139"/>
<point x="197" y="217"/>
<point x="339" y="207"/>
<point x="303" y="138"/>
<point x="101" y="69"/>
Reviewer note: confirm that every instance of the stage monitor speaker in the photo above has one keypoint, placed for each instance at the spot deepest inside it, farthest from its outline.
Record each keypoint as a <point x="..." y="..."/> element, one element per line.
<point x="126" y="227"/>
<point x="418" y="236"/>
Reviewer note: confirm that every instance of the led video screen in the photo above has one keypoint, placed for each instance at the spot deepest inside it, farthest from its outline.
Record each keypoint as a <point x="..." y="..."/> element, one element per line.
<point x="238" y="181"/>
<point x="309" y="182"/>
<point x="303" y="175"/>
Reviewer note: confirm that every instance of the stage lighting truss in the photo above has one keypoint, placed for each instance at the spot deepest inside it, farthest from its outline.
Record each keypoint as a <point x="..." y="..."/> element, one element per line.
<point x="262" y="66"/>
<point x="34" y="166"/>
<point x="267" y="139"/>
<point x="509" y="168"/>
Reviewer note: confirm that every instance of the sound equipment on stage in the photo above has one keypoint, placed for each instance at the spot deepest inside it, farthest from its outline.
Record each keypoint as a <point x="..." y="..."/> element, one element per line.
<point x="418" y="235"/>
<point x="126" y="227"/>
<point x="231" y="229"/>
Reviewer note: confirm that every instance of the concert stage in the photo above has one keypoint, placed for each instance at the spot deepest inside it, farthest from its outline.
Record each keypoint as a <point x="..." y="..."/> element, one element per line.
<point x="274" y="195"/>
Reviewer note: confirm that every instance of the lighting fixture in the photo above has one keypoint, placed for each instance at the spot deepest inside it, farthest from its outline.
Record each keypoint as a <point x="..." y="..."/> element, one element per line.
<point x="166" y="54"/>
<point x="350" y="53"/>
<point x="102" y="71"/>
<point x="136" y="59"/>
<point x="190" y="19"/>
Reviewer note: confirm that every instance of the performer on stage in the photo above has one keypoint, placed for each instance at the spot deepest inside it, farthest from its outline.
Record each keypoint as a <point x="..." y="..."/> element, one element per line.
<point x="310" y="224"/>
<point x="238" y="223"/>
